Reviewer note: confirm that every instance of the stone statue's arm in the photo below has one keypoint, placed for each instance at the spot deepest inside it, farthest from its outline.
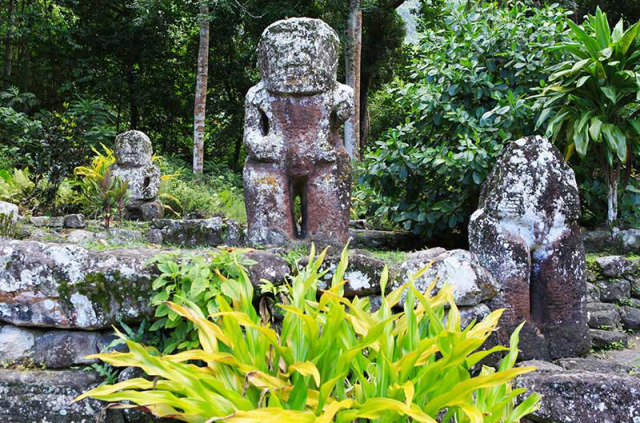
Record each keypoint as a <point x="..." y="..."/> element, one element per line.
<point x="260" y="143"/>
<point x="152" y="181"/>
<point x="342" y="107"/>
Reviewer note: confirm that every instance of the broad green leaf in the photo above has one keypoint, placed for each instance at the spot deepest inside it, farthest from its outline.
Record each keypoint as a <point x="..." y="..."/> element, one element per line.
<point x="306" y="369"/>
<point x="602" y="29"/>
<point x="630" y="36"/>
<point x="616" y="141"/>
<point x="544" y="115"/>
<point x="610" y="93"/>
<point x="580" y="140"/>
<point x="595" y="128"/>
<point x="587" y="41"/>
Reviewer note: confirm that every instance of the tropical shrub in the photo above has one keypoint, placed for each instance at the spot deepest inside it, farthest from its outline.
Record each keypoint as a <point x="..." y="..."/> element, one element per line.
<point x="51" y="144"/>
<point x="16" y="186"/>
<point x="466" y="97"/>
<point x="196" y="281"/>
<point x="12" y="97"/>
<point x="18" y="136"/>
<point x="333" y="360"/>
<point x="219" y="191"/>
<point x="21" y="187"/>
<point x="101" y="193"/>
<point x="592" y="104"/>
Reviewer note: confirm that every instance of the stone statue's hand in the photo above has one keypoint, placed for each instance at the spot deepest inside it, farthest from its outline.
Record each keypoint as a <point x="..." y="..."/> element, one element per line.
<point x="269" y="148"/>
<point x="326" y="152"/>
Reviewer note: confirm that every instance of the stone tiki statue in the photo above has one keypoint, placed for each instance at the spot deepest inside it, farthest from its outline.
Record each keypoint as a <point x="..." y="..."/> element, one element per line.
<point x="526" y="234"/>
<point x="292" y="138"/>
<point x="133" y="164"/>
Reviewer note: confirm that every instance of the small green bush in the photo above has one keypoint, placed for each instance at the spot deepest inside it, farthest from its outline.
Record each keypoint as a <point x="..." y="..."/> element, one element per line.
<point x="102" y="194"/>
<point x="332" y="360"/>
<point x="195" y="281"/>
<point x="18" y="136"/>
<point x="466" y="97"/>
<point x="217" y="192"/>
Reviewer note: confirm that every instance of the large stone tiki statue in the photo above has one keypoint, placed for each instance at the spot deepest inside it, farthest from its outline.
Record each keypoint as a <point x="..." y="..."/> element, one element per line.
<point x="292" y="137"/>
<point x="133" y="151"/>
<point x="526" y="234"/>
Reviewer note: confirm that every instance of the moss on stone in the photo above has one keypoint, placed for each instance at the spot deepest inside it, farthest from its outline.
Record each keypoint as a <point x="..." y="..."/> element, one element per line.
<point x="102" y="290"/>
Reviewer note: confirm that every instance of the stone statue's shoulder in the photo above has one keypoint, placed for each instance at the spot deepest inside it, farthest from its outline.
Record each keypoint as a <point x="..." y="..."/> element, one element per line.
<point x="343" y="101"/>
<point x="342" y="92"/>
<point x="257" y="95"/>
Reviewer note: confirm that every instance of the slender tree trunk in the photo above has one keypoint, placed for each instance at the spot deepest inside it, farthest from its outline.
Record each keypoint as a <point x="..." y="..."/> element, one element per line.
<point x="8" y="39"/>
<point x="27" y="51"/>
<point x="364" y="113"/>
<point x="133" y="97"/>
<point x="612" y="195"/>
<point x="200" y="106"/>
<point x="353" y="59"/>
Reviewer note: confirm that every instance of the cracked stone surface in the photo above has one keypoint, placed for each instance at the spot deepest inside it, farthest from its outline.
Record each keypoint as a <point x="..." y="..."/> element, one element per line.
<point x="588" y="392"/>
<point x="472" y="283"/>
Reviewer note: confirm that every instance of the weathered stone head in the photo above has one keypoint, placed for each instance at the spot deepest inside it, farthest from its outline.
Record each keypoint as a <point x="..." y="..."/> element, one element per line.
<point x="526" y="233"/>
<point x="298" y="56"/>
<point x="133" y="148"/>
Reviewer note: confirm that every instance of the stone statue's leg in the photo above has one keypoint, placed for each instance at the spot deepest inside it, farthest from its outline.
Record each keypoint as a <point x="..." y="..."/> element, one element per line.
<point x="329" y="201"/>
<point x="506" y="255"/>
<point x="268" y="203"/>
<point x="559" y="294"/>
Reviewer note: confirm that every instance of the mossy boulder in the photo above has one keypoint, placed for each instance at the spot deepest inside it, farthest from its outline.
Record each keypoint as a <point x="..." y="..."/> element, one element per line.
<point x="70" y="287"/>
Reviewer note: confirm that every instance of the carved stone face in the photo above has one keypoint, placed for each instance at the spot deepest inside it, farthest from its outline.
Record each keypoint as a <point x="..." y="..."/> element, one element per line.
<point x="133" y="148"/>
<point x="298" y="56"/>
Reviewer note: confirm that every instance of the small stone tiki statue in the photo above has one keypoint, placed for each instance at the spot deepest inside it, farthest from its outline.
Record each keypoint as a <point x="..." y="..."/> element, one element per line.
<point x="133" y="164"/>
<point x="526" y="233"/>
<point x="292" y="137"/>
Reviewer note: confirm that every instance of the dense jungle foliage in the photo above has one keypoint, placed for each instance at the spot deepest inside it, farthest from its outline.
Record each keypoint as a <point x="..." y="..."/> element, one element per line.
<point x="435" y="114"/>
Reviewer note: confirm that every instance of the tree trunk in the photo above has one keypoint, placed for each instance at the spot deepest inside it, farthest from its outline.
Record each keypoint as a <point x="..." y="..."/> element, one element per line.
<point x="133" y="97"/>
<point x="364" y="114"/>
<point x="8" y="39"/>
<point x="200" y="106"/>
<point x="612" y="196"/>
<point x="353" y="59"/>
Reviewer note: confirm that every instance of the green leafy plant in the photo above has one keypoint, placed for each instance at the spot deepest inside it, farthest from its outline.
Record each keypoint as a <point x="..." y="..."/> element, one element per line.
<point x="466" y="96"/>
<point x="19" y="135"/>
<point x="592" y="102"/>
<point x="333" y="360"/>
<point x="102" y="193"/>
<point x="8" y="227"/>
<point x="15" y="186"/>
<point x="196" y="281"/>
<point x="218" y="192"/>
<point x="14" y="98"/>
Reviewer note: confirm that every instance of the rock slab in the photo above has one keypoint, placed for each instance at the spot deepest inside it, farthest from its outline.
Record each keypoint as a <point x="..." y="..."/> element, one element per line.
<point x="472" y="283"/>
<point x="10" y="210"/>
<point x="584" y="397"/>
<point x="196" y="232"/>
<point x="69" y="287"/>
<point x="47" y="397"/>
